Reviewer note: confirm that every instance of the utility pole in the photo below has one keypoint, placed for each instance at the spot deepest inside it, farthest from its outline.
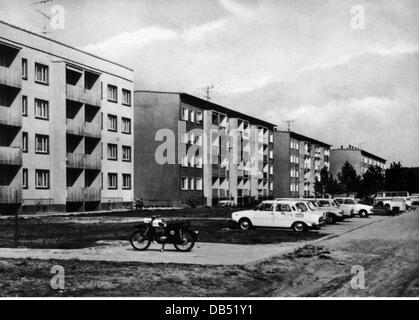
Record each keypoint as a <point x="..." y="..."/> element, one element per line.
<point x="46" y="17"/>
<point x="289" y="122"/>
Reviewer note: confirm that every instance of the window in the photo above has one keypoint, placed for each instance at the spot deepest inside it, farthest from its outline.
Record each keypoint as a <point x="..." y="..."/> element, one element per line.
<point x="184" y="114"/>
<point x="126" y="125"/>
<point x="184" y="160"/>
<point x="112" y="93"/>
<point x="41" y="109"/>
<point x="42" y="179"/>
<point x="192" y="115"/>
<point x="24" y="106"/>
<point x="192" y="184"/>
<point x="24" y="69"/>
<point x="41" y="73"/>
<point x="184" y="183"/>
<point x="112" y="181"/>
<point x="267" y="207"/>
<point x="199" y="183"/>
<point x="112" y="151"/>
<point x="349" y="201"/>
<point x="283" y="208"/>
<point x="126" y="153"/>
<point x="126" y="97"/>
<point x="112" y="122"/>
<point x="25" y="178"/>
<point x="126" y="181"/>
<point x="24" y="142"/>
<point x="199" y="117"/>
<point x="41" y="144"/>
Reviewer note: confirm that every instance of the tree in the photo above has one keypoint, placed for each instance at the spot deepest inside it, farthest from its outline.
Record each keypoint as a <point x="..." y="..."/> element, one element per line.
<point x="396" y="179"/>
<point x="373" y="180"/>
<point x="327" y="184"/>
<point x="348" y="179"/>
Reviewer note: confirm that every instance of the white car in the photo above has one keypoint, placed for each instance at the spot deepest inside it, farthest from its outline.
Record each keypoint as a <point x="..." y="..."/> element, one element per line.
<point x="351" y="207"/>
<point x="278" y="214"/>
<point x="310" y="206"/>
<point x="334" y="213"/>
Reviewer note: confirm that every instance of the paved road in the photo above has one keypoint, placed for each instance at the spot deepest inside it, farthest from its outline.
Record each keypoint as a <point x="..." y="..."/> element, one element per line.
<point x="203" y="253"/>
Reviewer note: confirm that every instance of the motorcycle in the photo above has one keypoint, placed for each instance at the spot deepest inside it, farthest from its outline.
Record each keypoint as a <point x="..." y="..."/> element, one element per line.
<point x="155" y="229"/>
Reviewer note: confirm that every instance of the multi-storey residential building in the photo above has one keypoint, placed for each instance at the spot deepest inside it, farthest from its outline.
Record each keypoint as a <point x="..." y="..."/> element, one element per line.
<point x="66" y="136"/>
<point x="297" y="163"/>
<point x="360" y="159"/>
<point x="211" y="153"/>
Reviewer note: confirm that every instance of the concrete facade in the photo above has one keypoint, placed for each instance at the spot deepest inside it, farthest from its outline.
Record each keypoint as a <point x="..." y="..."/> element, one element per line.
<point x="218" y="153"/>
<point x="297" y="163"/>
<point x="361" y="160"/>
<point x="54" y="130"/>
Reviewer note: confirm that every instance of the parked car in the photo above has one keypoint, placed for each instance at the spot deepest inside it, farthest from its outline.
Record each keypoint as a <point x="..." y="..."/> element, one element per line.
<point x="392" y="204"/>
<point x="227" y="203"/>
<point x="280" y="214"/>
<point x="313" y="208"/>
<point x="334" y="212"/>
<point x="394" y="195"/>
<point x="351" y="207"/>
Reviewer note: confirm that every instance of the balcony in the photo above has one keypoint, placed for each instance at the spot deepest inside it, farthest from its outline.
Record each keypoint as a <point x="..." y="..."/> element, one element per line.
<point x="10" y="77"/>
<point x="92" y="97"/>
<point x="215" y="170"/>
<point x="75" y="160"/>
<point x="10" y="156"/>
<point x="10" y="194"/>
<point x="75" y="194"/>
<point x="75" y="93"/>
<point x="92" y="194"/>
<point x="10" y="116"/>
<point x="92" y="129"/>
<point x="93" y="162"/>
<point x="75" y="127"/>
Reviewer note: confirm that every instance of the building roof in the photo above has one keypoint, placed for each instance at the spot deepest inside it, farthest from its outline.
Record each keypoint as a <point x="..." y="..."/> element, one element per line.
<point x="63" y="44"/>
<point x="207" y="105"/>
<point x="363" y="152"/>
<point x="303" y="137"/>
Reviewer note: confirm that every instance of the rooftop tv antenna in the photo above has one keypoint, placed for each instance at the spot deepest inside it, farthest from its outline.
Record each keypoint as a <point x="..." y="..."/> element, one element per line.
<point x="289" y="123"/>
<point x="42" y="12"/>
<point x="208" y="90"/>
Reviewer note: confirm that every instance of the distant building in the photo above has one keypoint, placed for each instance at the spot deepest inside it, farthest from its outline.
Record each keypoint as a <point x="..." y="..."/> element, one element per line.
<point x="234" y="161"/>
<point x="297" y="163"/>
<point x="66" y="140"/>
<point x="361" y="160"/>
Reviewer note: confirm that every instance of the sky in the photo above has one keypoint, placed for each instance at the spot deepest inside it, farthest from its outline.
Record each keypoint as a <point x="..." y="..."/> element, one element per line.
<point x="276" y="60"/>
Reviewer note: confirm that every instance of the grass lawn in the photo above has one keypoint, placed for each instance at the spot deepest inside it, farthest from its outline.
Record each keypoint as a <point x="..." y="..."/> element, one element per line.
<point x="50" y="233"/>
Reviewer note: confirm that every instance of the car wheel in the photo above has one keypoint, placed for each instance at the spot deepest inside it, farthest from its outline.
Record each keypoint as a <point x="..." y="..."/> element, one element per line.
<point x="245" y="224"/>
<point x="363" y="214"/>
<point x="299" y="227"/>
<point x="330" y="219"/>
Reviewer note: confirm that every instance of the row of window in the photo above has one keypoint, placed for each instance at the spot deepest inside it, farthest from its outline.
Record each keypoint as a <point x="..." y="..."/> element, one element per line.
<point x="294" y="159"/>
<point x="294" y="173"/>
<point x="294" y="145"/>
<point x="41" y="143"/>
<point x="191" y="183"/>
<point x="113" y="95"/>
<point x="191" y="115"/>
<point x="41" y="108"/>
<point x="113" y="152"/>
<point x="41" y="72"/>
<point x="113" y="181"/>
<point x="113" y="124"/>
<point x="294" y="187"/>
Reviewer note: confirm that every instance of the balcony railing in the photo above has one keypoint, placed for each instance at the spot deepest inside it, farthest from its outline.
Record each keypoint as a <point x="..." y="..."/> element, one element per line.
<point x="75" y="127"/>
<point x="10" y="156"/>
<point x="92" y="129"/>
<point x="10" y="116"/>
<point x="75" y="160"/>
<point x="75" y="194"/>
<point x="93" y="162"/>
<point x="92" y="194"/>
<point x="10" y="77"/>
<point x="75" y="93"/>
<point x="92" y="97"/>
<point x="10" y="194"/>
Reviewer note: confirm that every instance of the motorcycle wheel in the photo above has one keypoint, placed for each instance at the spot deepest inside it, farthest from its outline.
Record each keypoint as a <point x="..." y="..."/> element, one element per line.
<point x="138" y="241"/>
<point x="187" y="243"/>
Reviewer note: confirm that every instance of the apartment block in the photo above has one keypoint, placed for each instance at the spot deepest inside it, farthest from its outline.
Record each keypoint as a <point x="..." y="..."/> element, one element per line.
<point x="298" y="160"/>
<point x="66" y="135"/>
<point x="360" y="159"/>
<point x="210" y="153"/>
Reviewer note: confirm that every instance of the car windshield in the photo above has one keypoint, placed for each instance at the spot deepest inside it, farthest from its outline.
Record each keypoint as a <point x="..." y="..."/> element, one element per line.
<point x="349" y="201"/>
<point x="336" y="204"/>
<point x="311" y="206"/>
<point x="301" y="207"/>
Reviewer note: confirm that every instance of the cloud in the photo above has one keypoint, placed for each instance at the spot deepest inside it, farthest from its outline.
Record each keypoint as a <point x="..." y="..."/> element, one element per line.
<point x="236" y="8"/>
<point x="197" y="33"/>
